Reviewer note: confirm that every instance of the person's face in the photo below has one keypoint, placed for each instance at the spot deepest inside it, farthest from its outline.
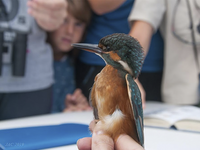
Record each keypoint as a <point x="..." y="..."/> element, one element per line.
<point x="70" y="32"/>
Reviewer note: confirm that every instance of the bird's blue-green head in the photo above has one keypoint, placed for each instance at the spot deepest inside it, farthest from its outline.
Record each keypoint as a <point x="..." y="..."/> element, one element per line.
<point x="119" y="50"/>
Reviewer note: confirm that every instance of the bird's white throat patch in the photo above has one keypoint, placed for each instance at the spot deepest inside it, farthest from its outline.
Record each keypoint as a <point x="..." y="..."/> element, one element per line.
<point x="126" y="67"/>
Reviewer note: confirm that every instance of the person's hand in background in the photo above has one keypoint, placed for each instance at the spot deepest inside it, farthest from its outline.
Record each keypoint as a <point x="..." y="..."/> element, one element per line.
<point x="76" y="102"/>
<point x="100" y="141"/>
<point x="49" y="14"/>
<point x="143" y="93"/>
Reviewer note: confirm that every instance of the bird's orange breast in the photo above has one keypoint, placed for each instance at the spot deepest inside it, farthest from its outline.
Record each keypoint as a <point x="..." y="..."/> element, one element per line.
<point x="110" y="90"/>
<point x="109" y="93"/>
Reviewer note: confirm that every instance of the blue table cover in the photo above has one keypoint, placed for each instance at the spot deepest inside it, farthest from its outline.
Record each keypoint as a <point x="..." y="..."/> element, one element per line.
<point x="40" y="137"/>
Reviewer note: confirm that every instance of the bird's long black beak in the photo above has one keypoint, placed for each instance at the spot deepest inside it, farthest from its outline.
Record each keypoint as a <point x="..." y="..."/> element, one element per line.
<point x="88" y="47"/>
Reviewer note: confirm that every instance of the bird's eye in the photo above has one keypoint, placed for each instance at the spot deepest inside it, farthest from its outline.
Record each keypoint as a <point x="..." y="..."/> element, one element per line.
<point x="108" y="48"/>
<point x="104" y="48"/>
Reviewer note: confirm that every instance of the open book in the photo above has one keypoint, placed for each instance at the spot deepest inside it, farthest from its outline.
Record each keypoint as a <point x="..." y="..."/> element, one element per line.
<point x="163" y="115"/>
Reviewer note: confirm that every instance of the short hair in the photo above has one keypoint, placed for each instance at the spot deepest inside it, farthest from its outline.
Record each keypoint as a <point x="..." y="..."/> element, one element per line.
<point x="80" y="9"/>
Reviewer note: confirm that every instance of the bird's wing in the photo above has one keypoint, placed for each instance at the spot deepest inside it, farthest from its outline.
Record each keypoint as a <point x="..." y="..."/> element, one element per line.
<point x="91" y="102"/>
<point x="136" y="103"/>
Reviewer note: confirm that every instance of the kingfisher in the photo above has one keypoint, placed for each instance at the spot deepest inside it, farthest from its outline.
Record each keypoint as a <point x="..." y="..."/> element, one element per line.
<point x="115" y="96"/>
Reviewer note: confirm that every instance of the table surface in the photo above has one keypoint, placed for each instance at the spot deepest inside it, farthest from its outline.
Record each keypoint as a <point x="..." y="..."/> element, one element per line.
<point x="155" y="138"/>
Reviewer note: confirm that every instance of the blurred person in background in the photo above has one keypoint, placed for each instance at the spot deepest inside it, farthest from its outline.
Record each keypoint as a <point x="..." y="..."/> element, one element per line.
<point x="179" y="23"/>
<point x="26" y="59"/>
<point x="108" y="17"/>
<point x="65" y="95"/>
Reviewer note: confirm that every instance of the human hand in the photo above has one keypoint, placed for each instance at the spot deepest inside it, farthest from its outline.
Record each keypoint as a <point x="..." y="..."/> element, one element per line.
<point x="101" y="141"/>
<point x="76" y="102"/>
<point x="49" y="14"/>
<point x="143" y="93"/>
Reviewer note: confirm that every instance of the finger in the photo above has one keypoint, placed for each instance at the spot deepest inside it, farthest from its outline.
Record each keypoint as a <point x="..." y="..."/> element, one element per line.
<point x="101" y="141"/>
<point x="69" y="109"/>
<point x="86" y="108"/>
<point x="68" y="98"/>
<point x="76" y="107"/>
<point x="84" y="143"/>
<point x="66" y="110"/>
<point x="82" y="99"/>
<point x="92" y="125"/>
<point x="89" y="108"/>
<point x="46" y="22"/>
<point x="51" y="4"/>
<point x="32" y="4"/>
<point x="127" y="143"/>
<point x="79" y="97"/>
<point x="69" y="106"/>
<point x="83" y="104"/>
<point x="45" y="16"/>
<point x="77" y="92"/>
<point x="80" y="107"/>
<point x="73" y="108"/>
<point x="35" y="8"/>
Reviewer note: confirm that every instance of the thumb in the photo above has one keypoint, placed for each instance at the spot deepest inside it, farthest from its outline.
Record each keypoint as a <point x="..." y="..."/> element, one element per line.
<point x="84" y="143"/>
<point x="101" y="141"/>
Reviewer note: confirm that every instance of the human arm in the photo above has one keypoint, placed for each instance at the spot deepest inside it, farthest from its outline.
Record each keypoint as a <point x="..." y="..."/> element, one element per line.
<point x="49" y="14"/>
<point x="101" y="141"/>
<point x="104" y="6"/>
<point x="145" y="19"/>
<point x="142" y="31"/>
<point x="76" y="102"/>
